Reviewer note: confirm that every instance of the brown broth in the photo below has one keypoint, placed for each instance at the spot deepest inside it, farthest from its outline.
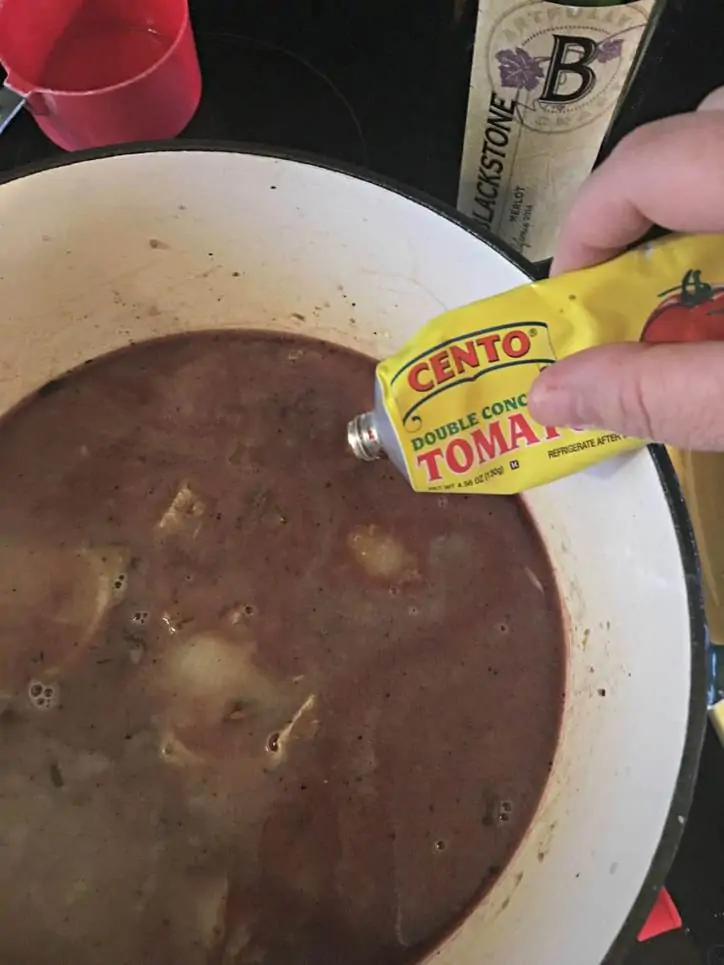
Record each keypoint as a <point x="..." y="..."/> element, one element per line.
<point x="259" y="704"/>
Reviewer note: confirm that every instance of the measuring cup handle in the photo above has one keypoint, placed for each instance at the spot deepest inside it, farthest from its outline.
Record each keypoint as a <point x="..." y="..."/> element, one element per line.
<point x="10" y="104"/>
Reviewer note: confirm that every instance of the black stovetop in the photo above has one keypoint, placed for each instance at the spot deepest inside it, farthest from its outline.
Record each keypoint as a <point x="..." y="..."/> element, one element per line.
<point x="382" y="84"/>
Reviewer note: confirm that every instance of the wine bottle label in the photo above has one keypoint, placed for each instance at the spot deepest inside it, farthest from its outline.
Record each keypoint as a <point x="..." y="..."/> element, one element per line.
<point x="544" y="83"/>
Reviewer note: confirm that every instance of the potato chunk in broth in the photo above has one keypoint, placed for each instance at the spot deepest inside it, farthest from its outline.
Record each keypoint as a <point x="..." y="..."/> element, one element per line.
<point x="259" y="705"/>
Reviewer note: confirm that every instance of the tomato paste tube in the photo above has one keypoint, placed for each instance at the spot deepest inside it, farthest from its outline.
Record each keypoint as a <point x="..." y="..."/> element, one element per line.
<point x="451" y="408"/>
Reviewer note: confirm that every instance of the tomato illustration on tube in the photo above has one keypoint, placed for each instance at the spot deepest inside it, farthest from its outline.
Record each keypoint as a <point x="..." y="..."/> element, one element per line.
<point x="692" y="312"/>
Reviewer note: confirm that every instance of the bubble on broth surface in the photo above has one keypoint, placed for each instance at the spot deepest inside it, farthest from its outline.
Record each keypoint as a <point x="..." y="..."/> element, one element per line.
<point x="237" y="613"/>
<point x="505" y="812"/>
<point x="43" y="695"/>
<point x="120" y="582"/>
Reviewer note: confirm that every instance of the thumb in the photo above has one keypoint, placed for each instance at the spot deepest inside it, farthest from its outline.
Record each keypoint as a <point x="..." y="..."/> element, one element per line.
<point x="665" y="393"/>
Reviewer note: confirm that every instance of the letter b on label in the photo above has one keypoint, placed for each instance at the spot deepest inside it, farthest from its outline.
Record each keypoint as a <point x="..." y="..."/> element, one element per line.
<point x="570" y="61"/>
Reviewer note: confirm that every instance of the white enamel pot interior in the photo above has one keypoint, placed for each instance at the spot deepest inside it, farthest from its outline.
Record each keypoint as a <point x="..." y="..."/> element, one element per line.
<point x="101" y="251"/>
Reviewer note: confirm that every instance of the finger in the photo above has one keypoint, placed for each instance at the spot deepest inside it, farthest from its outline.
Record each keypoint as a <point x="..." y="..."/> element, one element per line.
<point x="666" y="393"/>
<point x="669" y="173"/>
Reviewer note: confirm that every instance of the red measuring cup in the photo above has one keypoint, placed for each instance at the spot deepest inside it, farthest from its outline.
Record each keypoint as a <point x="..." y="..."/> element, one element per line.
<point x="98" y="72"/>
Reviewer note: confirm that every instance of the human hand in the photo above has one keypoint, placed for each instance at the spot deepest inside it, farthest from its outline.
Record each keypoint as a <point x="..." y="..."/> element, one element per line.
<point x="670" y="173"/>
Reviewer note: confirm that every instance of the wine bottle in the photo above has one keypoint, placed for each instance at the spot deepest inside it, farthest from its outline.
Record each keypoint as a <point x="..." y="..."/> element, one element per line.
<point x="545" y="81"/>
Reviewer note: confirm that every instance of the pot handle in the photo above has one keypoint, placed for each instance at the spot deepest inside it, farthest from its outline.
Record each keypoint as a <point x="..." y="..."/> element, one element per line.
<point x="10" y="104"/>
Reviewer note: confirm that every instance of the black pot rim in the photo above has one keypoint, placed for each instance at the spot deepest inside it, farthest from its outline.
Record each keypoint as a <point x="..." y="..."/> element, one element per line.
<point x="696" y="724"/>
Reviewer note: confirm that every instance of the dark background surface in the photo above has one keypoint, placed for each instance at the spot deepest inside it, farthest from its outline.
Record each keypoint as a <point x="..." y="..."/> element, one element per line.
<point x="383" y="84"/>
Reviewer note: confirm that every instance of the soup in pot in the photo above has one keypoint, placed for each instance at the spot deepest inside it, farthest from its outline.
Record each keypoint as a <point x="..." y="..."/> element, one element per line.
<point x="259" y="705"/>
